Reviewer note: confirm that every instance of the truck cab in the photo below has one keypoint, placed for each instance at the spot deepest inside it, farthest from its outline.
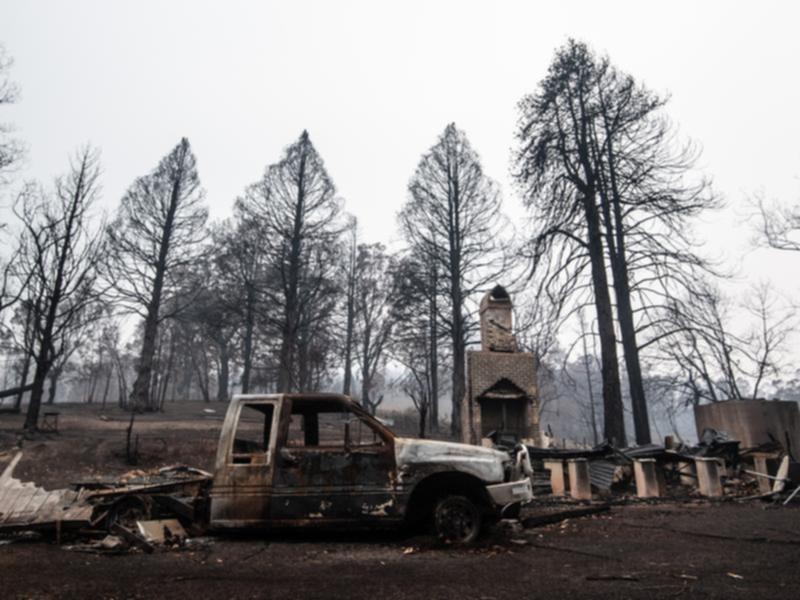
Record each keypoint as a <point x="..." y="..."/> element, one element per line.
<point x="288" y="460"/>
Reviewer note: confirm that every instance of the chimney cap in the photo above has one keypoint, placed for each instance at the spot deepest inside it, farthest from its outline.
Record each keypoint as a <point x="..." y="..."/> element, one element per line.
<point x="498" y="297"/>
<point x="499" y="293"/>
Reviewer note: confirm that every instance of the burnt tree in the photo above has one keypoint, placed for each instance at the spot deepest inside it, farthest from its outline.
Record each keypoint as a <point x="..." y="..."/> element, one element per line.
<point x="10" y="149"/>
<point x="159" y="230"/>
<point x="296" y="211"/>
<point x="648" y="198"/>
<point x="779" y="226"/>
<point x="374" y="319"/>
<point x="711" y="357"/>
<point x="559" y="182"/>
<point x="415" y="339"/>
<point x="239" y="266"/>
<point x="600" y="166"/>
<point x="350" y="256"/>
<point x="59" y="258"/>
<point x="453" y="220"/>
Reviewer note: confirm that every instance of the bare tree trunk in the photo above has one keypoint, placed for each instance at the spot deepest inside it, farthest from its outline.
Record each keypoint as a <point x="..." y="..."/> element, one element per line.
<point x="302" y="383"/>
<point x="14" y="391"/>
<point x="92" y="387"/>
<point x="51" y="392"/>
<point x="459" y="341"/>
<point x="23" y="381"/>
<point x="185" y="387"/>
<point x="157" y="375"/>
<point x="144" y="368"/>
<point x="131" y="454"/>
<point x="289" y="328"/>
<point x="589" y="382"/>
<point x="247" y="350"/>
<point x="630" y="350"/>
<point x="140" y="396"/>
<point x="95" y="377"/>
<point x="35" y="399"/>
<point x="366" y="381"/>
<point x="348" y="342"/>
<point x="433" y="363"/>
<point x="222" y="378"/>
<point x="459" y="383"/>
<point x="351" y="314"/>
<point x="613" y="416"/>
<point x="162" y="395"/>
<point x="107" y="386"/>
<point x="122" y="383"/>
<point x="287" y="353"/>
<point x="122" y="389"/>
<point x="202" y="375"/>
<point x="65" y="276"/>
<point x="613" y="413"/>
<point x="615" y="240"/>
<point x="167" y="373"/>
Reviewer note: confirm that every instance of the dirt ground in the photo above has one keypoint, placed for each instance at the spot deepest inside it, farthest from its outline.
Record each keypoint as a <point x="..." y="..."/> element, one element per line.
<point x="647" y="550"/>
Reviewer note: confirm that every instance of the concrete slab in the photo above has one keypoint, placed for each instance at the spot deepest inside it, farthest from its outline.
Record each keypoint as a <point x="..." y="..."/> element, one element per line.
<point x="580" y="486"/>
<point x="708" y="477"/>
<point x="760" y="466"/>
<point x="557" y="484"/>
<point x="647" y="483"/>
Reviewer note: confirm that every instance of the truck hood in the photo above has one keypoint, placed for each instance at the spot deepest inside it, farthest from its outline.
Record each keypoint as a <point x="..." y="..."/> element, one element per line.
<point x="484" y="463"/>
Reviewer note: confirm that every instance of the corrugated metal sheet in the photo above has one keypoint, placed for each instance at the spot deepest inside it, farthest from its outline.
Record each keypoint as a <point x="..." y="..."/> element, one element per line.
<point x="601" y="473"/>
<point x="25" y="505"/>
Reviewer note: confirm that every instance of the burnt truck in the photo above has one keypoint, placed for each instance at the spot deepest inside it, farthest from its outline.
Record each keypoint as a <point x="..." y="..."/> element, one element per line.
<point x="289" y="460"/>
<point x="321" y="460"/>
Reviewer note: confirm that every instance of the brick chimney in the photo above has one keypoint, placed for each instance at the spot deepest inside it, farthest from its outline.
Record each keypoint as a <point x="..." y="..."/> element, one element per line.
<point x="497" y="322"/>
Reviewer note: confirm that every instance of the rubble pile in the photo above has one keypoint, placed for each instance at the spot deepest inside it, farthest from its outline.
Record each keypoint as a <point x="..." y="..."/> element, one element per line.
<point x="715" y="468"/>
<point x="137" y="511"/>
<point x="168" y="508"/>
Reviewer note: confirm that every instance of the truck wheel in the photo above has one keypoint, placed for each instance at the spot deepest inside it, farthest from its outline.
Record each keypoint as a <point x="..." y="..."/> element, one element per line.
<point x="457" y="520"/>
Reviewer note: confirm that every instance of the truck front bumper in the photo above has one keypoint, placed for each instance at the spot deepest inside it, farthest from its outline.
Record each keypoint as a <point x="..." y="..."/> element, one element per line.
<point x="512" y="492"/>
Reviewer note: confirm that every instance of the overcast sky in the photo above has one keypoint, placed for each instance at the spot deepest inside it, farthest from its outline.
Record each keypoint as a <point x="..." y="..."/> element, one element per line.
<point x="375" y="83"/>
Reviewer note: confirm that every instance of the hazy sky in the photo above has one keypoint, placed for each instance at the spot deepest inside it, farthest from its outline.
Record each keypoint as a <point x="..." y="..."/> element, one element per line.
<point x="376" y="82"/>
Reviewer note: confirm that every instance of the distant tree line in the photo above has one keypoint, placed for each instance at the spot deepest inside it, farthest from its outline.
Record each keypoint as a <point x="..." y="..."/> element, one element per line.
<point x="613" y="296"/>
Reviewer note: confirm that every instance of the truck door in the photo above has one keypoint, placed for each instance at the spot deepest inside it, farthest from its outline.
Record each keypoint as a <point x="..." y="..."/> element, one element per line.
<point x="334" y="465"/>
<point x="240" y="495"/>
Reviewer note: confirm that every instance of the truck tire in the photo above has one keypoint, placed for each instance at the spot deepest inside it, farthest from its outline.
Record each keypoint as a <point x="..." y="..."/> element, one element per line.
<point x="457" y="520"/>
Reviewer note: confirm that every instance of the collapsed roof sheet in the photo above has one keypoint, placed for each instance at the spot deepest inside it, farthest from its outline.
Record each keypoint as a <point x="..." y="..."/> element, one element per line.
<point x="24" y="505"/>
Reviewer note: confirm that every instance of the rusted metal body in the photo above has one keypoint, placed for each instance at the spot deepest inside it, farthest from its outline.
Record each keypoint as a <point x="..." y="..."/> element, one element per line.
<point x="372" y="477"/>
